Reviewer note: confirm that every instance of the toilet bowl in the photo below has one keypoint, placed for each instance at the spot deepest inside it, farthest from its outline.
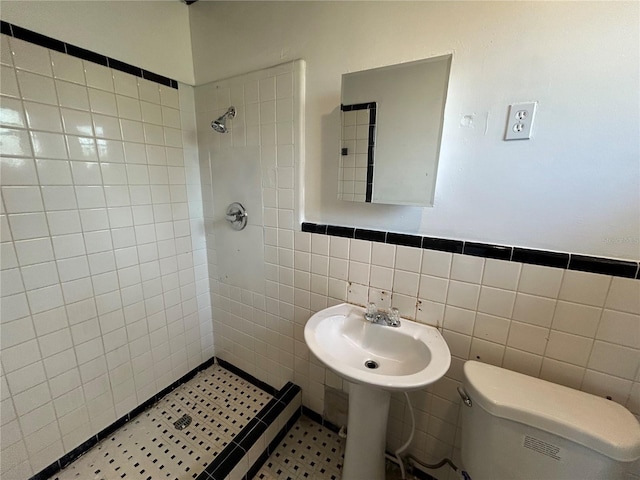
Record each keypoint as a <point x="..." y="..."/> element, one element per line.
<point x="519" y="427"/>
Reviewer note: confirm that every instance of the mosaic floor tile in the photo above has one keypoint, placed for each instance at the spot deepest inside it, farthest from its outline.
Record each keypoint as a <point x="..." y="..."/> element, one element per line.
<point x="219" y="404"/>
<point x="311" y="451"/>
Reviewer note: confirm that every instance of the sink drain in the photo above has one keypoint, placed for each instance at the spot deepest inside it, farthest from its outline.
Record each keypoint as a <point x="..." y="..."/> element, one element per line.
<point x="371" y="364"/>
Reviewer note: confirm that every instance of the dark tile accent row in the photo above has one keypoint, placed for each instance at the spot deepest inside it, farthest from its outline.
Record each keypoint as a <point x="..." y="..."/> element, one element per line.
<point x="402" y="239"/>
<point x="314" y="228"/>
<point x="249" y="378"/>
<point x="487" y="251"/>
<point x="606" y="266"/>
<point x="357" y="106"/>
<point x="442" y="244"/>
<point x="540" y="257"/>
<point x="106" y="432"/>
<point x="62" y="47"/>
<point x="316" y="417"/>
<point x="5" y="28"/>
<point x="371" y="235"/>
<point x="341" y="231"/>
<point x="570" y="261"/>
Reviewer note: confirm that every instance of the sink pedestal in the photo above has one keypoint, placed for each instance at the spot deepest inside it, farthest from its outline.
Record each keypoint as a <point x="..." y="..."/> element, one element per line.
<point x="366" y="433"/>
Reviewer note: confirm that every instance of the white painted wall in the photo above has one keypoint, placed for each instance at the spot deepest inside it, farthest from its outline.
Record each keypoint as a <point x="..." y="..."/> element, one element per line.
<point x="150" y="34"/>
<point x="575" y="187"/>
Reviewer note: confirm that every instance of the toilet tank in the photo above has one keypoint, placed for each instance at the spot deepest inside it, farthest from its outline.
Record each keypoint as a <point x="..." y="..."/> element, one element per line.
<point x="520" y="427"/>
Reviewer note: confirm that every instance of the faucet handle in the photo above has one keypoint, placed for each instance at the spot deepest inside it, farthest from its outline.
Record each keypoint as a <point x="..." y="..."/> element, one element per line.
<point x="394" y="316"/>
<point x="371" y="309"/>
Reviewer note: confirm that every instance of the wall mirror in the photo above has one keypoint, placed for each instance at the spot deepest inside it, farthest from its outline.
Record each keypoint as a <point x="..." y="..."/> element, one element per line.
<point x="391" y="130"/>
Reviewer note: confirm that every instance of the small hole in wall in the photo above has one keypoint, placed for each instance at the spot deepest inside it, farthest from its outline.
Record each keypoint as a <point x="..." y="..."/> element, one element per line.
<point x="478" y="357"/>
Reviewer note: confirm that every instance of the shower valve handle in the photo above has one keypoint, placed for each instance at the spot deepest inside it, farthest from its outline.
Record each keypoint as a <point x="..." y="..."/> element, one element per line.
<point x="236" y="215"/>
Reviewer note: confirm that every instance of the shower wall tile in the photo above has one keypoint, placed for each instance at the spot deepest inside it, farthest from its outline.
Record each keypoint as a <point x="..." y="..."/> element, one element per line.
<point x="104" y="284"/>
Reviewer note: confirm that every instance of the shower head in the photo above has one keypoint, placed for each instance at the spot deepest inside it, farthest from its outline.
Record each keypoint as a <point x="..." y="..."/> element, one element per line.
<point x="219" y="124"/>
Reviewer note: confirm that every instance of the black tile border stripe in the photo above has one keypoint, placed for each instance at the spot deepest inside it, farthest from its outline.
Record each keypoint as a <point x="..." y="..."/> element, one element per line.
<point x="68" y="458"/>
<point x="226" y="460"/>
<point x="319" y="419"/>
<point x="78" y="52"/>
<point x="249" y="378"/>
<point x="567" y="261"/>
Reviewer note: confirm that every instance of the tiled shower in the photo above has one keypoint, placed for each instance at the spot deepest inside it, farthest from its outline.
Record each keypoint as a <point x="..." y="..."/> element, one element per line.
<point x="105" y="289"/>
<point x="120" y="275"/>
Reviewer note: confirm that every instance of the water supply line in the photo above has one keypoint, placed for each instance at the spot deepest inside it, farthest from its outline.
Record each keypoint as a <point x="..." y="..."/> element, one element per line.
<point x="414" y="461"/>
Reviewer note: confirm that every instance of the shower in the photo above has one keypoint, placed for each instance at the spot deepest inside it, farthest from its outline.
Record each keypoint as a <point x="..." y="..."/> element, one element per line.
<point x="219" y="124"/>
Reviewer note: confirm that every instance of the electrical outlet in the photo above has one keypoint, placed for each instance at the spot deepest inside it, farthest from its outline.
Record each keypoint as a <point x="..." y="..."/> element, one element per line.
<point x="520" y="121"/>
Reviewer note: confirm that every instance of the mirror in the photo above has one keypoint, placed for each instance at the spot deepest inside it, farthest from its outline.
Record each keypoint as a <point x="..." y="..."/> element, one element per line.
<point x="391" y="130"/>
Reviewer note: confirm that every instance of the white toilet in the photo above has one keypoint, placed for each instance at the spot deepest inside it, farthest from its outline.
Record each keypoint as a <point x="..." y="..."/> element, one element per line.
<point x="519" y="427"/>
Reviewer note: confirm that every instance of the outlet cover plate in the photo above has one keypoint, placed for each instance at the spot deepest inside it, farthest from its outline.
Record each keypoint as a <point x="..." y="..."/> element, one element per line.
<point x="520" y="121"/>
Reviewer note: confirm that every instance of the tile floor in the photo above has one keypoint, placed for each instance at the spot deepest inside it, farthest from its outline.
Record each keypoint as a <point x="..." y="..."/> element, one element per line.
<point x="219" y="403"/>
<point x="311" y="451"/>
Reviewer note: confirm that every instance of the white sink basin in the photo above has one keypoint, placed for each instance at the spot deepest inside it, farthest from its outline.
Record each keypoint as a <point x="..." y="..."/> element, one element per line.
<point x="408" y="357"/>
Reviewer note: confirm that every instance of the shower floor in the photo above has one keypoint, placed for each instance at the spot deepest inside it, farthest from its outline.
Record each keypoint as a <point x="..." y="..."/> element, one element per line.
<point x="150" y="446"/>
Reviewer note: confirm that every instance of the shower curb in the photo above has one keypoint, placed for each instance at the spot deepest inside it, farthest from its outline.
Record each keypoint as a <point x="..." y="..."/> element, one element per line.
<point x="248" y="451"/>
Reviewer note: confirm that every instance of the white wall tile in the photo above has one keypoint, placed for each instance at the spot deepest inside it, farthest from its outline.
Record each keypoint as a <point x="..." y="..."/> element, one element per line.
<point x="534" y="310"/>
<point x="30" y="57"/>
<point x="585" y="288"/>
<point x="529" y="338"/>
<point x="539" y="280"/>
<point x="569" y="348"/>
<point x="464" y="295"/>
<point x="620" y="328"/>
<point x="18" y="171"/>
<point x="491" y="328"/>
<point x="36" y="88"/>
<point x="501" y="274"/>
<point x="496" y="301"/>
<point x="43" y="117"/>
<point x="614" y="360"/>
<point x="71" y="95"/>
<point x="624" y="295"/>
<point x="467" y="268"/>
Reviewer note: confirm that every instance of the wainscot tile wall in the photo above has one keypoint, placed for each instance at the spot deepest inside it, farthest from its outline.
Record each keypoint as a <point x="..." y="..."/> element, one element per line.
<point x="105" y="293"/>
<point x="575" y="328"/>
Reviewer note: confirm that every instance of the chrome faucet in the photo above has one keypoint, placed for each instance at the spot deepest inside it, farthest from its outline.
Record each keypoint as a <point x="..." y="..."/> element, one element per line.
<point x="380" y="317"/>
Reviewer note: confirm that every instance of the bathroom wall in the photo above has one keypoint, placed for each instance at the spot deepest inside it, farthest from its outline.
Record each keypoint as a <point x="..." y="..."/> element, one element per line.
<point x="573" y="328"/>
<point x="150" y="34"/>
<point x="568" y="189"/>
<point x="104" y="274"/>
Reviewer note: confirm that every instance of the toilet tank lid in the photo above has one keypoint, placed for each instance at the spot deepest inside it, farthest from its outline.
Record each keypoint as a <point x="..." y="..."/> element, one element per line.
<point x="594" y="422"/>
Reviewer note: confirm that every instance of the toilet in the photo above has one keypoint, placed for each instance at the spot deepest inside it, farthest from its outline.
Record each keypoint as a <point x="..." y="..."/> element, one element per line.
<point x="519" y="427"/>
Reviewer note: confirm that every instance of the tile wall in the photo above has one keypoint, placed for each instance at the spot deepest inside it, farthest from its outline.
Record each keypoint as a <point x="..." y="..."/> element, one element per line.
<point x="577" y="329"/>
<point x="104" y="278"/>
<point x="253" y="305"/>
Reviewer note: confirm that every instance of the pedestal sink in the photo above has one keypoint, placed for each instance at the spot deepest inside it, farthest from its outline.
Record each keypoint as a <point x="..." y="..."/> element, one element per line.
<point x="376" y="359"/>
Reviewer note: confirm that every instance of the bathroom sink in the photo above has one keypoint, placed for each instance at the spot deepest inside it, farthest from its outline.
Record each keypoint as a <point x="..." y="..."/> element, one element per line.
<point x="407" y="357"/>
